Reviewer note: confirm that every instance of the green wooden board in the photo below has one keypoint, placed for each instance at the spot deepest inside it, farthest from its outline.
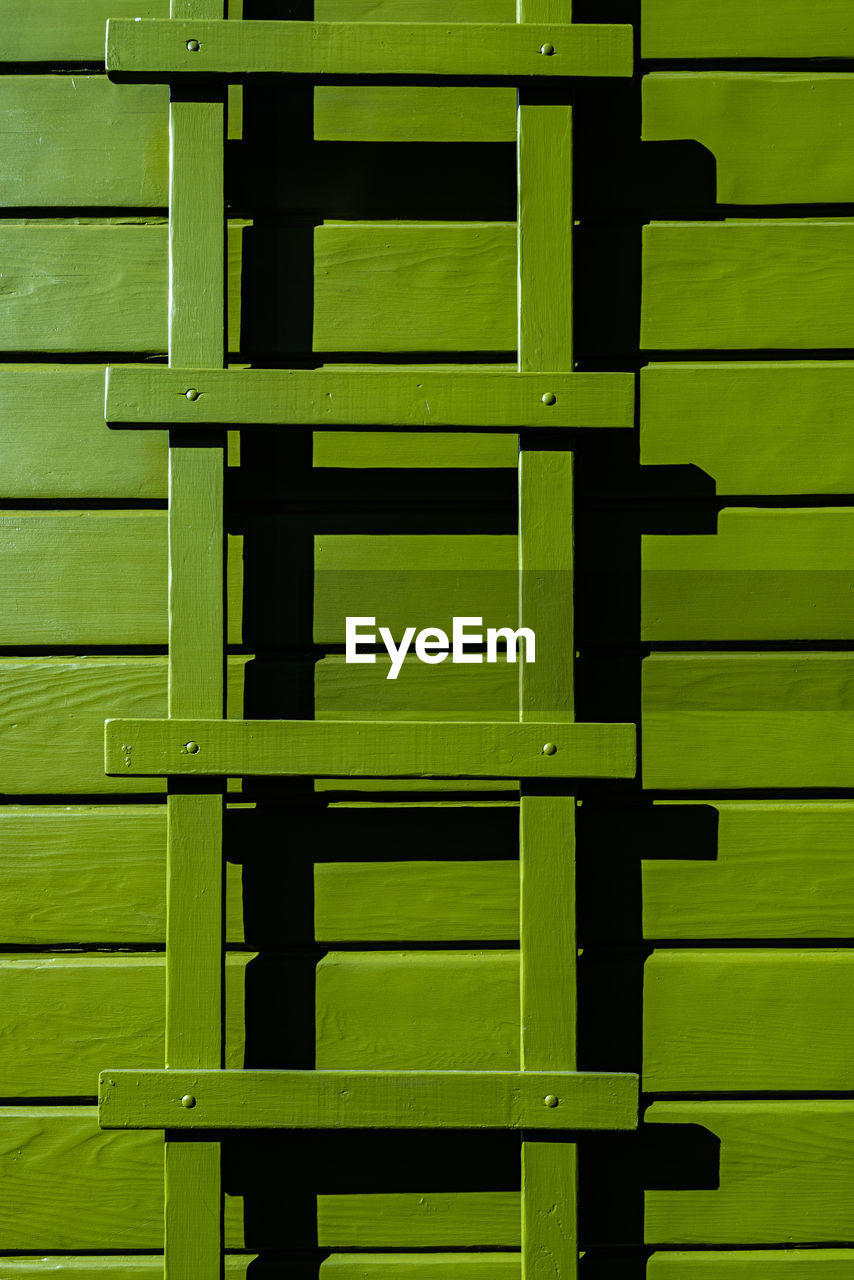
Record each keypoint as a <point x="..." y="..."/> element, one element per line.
<point x="66" y="30"/>
<point x="771" y="428"/>
<point x="402" y="450"/>
<point x="753" y="1264"/>
<point x="420" y="580"/>
<point x="421" y="1266"/>
<point x="736" y="720"/>
<point x="56" y="444"/>
<point x="732" y="29"/>
<point x="784" y="1176"/>
<point x="90" y="874"/>
<point x="129" y="1267"/>
<point x="765" y="575"/>
<point x="82" y="140"/>
<point x="782" y="870"/>
<point x="422" y="1009"/>
<point x="344" y="691"/>
<point x="748" y="1021"/>
<point x="743" y="284"/>
<point x="409" y="113"/>
<point x="488" y="1219"/>
<point x="777" y="137"/>
<point x="65" y="1017"/>
<point x="414" y="10"/>
<point x="416" y="901"/>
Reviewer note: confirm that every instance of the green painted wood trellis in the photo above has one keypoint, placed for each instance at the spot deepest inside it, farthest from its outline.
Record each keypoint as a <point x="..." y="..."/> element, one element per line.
<point x="197" y="397"/>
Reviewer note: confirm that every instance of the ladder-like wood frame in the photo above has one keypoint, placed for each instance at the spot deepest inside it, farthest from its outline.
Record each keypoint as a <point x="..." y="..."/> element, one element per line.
<point x="197" y="397"/>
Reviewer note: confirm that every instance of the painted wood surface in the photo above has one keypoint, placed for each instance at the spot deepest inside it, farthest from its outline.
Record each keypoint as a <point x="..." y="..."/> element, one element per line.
<point x="506" y="50"/>
<point x="111" y="1267"/>
<point x="747" y="1021"/>
<point x="785" y="1169"/>
<point x="406" y="449"/>
<point x="762" y="29"/>
<point x="770" y="428"/>
<point x="416" y="901"/>
<point x="63" y="702"/>
<point x="420" y="580"/>
<point x="736" y="720"/>
<point x="66" y="30"/>
<point x="747" y="284"/>
<point x="765" y="575"/>
<point x="423" y="1266"/>
<point x="82" y="140"/>
<point x="347" y="692"/>
<point x="432" y="1010"/>
<point x="777" y="137"/>
<point x="64" y="1016"/>
<point x="405" y="1221"/>
<point x="752" y="1264"/>
<point x="410" y="113"/>
<point x="56" y="444"/>
<point x="293" y="748"/>
<point x="781" y="870"/>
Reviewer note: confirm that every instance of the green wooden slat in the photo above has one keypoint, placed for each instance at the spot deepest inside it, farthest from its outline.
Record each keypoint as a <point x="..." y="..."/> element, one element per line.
<point x="66" y="30"/>
<point x="778" y="138"/>
<point x="82" y="140"/>
<point x="56" y="444"/>
<point x="427" y="1010"/>
<point x="415" y="287"/>
<point x="753" y="1264"/>
<point x="747" y="284"/>
<point x="366" y="1100"/>
<point x="402" y="450"/>
<point x="368" y="397"/>
<point x="420" y="580"/>
<point x="421" y="1266"/>
<point x="414" y="10"/>
<point x="368" y="48"/>
<point x="782" y="870"/>
<point x="732" y="29"/>
<point x="348" y="691"/>
<point x="416" y="901"/>
<point x="290" y="748"/>
<point x="407" y="1221"/>
<point x="785" y="1172"/>
<point x="130" y="1267"/>
<point x="61" y="1014"/>
<point x="389" y="113"/>
<point x="747" y="1021"/>
<point x="736" y="720"/>
<point x="765" y="575"/>
<point x="756" y="428"/>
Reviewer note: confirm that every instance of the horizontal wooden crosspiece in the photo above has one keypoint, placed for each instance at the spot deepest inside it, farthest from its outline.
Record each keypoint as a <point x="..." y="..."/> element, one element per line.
<point x="159" y="397"/>
<point x="160" y="48"/>
<point x="369" y="749"/>
<point x="367" y="1100"/>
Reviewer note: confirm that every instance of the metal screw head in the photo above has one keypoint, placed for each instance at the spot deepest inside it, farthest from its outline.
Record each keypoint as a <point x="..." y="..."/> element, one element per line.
<point x="192" y="394"/>
<point x="193" y="46"/>
<point x="547" y="50"/>
<point x="188" y="1101"/>
<point x="548" y="398"/>
<point x="549" y="749"/>
<point x="192" y="748"/>
<point x="550" y="1100"/>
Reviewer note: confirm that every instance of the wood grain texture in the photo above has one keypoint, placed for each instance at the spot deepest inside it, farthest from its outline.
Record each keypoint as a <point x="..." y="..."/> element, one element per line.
<point x="777" y="137"/>
<point x="90" y="874"/>
<point x="420" y="580"/>
<point x="763" y="29"/>
<point x="421" y="1266"/>
<point x="769" y="428"/>
<point x="66" y="30"/>
<point x="410" y="113"/>
<point x="52" y="713"/>
<point x="318" y="49"/>
<point x="429" y="1010"/>
<point x="546" y="581"/>
<point x="743" y="284"/>
<point x="753" y="1264"/>
<point x="765" y="575"/>
<point x="110" y="1267"/>
<point x="747" y="1021"/>
<point x="735" y="720"/>
<point x="414" y="10"/>
<point x="782" y="870"/>
<point x="56" y="444"/>
<point x="345" y="692"/>
<point x="406" y="449"/>
<point x="416" y="901"/>
<point x="197" y="281"/>
<point x="784" y="1175"/>
<point x="432" y="1220"/>
<point x="293" y="748"/>
<point x="82" y="140"/>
